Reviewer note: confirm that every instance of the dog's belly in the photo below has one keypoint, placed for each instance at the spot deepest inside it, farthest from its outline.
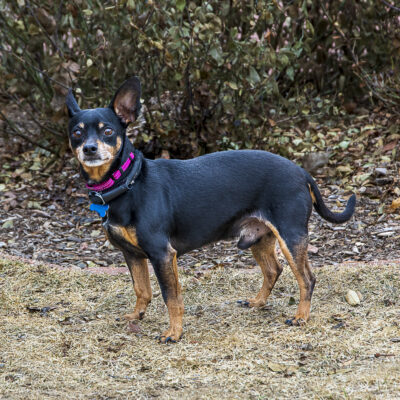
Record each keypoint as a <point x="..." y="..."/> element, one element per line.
<point x="249" y="229"/>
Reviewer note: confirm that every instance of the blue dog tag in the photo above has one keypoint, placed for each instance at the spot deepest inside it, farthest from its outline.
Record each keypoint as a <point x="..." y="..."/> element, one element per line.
<point x="101" y="209"/>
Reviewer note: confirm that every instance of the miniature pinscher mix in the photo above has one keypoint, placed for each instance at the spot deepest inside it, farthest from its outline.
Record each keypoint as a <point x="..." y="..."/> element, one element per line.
<point x="161" y="209"/>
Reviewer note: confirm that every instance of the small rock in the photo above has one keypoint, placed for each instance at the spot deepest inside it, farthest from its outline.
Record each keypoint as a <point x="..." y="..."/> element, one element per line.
<point x="381" y="171"/>
<point x="352" y="298"/>
<point x="82" y="265"/>
<point x="312" y="249"/>
<point x="313" y="161"/>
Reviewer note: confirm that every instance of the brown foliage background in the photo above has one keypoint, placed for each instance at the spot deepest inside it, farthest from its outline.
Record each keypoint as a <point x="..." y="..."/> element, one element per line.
<point x="215" y="74"/>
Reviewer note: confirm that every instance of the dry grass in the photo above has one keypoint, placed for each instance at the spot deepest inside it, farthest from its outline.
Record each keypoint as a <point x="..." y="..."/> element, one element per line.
<point x="81" y="350"/>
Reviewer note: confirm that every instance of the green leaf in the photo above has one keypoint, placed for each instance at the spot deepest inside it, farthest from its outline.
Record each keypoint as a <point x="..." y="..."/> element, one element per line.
<point x="344" y="144"/>
<point x="8" y="224"/>
<point x="232" y="85"/>
<point x="253" y="76"/>
<point x="180" y="4"/>
<point x="310" y="27"/>
<point x="216" y="54"/>
<point x="290" y="73"/>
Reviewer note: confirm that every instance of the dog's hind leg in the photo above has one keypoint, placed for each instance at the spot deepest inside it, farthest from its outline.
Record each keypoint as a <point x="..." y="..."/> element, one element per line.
<point x="294" y="247"/>
<point x="264" y="253"/>
<point x="306" y="280"/>
<point x="141" y="283"/>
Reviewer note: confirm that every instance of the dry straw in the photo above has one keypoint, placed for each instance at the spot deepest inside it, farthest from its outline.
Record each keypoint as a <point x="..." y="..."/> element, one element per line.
<point x="61" y="337"/>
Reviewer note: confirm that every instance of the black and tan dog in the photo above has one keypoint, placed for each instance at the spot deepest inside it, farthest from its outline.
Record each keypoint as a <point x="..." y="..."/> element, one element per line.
<point x="161" y="209"/>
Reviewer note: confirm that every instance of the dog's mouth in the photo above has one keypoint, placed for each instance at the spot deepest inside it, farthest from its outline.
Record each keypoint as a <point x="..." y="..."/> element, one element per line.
<point x="94" y="161"/>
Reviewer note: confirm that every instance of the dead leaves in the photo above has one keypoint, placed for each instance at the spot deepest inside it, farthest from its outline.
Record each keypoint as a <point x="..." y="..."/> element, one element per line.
<point x="287" y="370"/>
<point x="395" y="204"/>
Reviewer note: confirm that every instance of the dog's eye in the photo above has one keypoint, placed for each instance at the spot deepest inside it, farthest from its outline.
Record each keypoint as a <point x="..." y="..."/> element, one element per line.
<point x="108" y="132"/>
<point x="77" y="133"/>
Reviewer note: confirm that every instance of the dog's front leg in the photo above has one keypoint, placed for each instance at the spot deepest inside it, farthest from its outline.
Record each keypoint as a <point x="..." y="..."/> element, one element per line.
<point x="166" y="269"/>
<point x="141" y="283"/>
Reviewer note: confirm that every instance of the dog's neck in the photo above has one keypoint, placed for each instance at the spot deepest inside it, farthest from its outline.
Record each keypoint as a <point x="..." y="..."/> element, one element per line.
<point x="123" y="155"/>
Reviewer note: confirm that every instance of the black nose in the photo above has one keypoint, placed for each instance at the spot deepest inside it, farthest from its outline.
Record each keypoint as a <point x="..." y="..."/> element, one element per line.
<point x="90" y="149"/>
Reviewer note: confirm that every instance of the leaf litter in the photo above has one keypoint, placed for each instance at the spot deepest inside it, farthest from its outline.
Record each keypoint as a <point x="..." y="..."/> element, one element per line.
<point x="44" y="210"/>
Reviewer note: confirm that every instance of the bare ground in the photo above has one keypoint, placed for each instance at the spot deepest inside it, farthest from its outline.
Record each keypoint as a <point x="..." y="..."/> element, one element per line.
<point x="61" y="336"/>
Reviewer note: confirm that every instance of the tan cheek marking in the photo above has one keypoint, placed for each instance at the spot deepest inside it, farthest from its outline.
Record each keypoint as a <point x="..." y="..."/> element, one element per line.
<point x="77" y="151"/>
<point x="101" y="124"/>
<point x="81" y="125"/>
<point x="112" y="150"/>
<point x="97" y="173"/>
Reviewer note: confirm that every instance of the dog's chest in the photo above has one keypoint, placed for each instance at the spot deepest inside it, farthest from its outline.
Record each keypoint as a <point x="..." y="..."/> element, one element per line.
<point x="123" y="237"/>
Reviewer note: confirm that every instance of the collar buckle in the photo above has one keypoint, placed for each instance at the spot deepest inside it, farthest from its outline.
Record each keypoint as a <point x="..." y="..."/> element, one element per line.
<point x="96" y="197"/>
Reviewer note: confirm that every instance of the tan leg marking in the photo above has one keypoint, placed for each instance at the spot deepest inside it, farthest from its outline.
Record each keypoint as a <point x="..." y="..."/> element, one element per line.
<point x="302" y="271"/>
<point x="126" y="233"/>
<point x="264" y="253"/>
<point x="174" y="299"/>
<point x="141" y="284"/>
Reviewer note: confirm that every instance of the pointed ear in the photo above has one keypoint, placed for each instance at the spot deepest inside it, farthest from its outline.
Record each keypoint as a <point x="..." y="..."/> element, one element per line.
<point x="126" y="101"/>
<point x="71" y="104"/>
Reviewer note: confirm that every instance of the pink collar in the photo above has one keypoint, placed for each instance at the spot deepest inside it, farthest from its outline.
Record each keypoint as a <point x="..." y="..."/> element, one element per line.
<point x="115" y="176"/>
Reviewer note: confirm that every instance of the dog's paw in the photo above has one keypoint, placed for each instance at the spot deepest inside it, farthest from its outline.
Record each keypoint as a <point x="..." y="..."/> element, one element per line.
<point x="251" y="303"/>
<point x="169" y="336"/>
<point x="295" y="322"/>
<point x="136" y="315"/>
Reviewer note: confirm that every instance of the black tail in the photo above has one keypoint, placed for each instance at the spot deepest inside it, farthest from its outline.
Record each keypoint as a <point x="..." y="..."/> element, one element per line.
<point x="324" y="211"/>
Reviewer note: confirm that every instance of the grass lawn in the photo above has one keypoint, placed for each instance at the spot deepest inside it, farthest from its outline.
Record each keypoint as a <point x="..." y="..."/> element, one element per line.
<point x="79" y="348"/>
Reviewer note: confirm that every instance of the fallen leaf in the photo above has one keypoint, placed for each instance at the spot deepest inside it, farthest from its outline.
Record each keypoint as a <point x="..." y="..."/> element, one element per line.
<point x="134" y="327"/>
<point x="275" y="367"/>
<point x="395" y="204"/>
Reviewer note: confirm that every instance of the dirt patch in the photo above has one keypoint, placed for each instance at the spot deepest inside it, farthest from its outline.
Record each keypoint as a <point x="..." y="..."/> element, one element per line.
<point x="61" y="336"/>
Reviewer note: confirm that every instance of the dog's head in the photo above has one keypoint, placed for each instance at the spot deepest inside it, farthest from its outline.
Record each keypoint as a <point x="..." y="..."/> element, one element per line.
<point x="96" y="136"/>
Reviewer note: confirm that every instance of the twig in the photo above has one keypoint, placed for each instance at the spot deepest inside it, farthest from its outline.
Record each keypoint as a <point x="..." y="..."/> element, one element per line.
<point x="35" y="68"/>
<point x="363" y="76"/>
<point x="16" y="101"/>
<point x="391" y="6"/>
<point x="26" y="137"/>
<point x="57" y="49"/>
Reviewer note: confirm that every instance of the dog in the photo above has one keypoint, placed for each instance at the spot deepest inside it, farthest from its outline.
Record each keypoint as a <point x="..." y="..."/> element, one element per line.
<point x="160" y="209"/>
